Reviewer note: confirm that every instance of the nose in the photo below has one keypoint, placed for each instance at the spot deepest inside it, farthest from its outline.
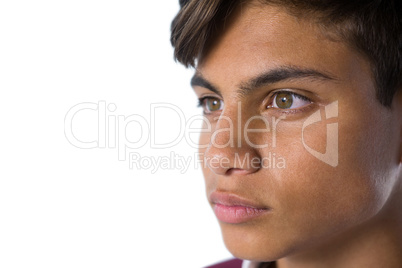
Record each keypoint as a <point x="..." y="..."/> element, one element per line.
<point x="229" y="152"/>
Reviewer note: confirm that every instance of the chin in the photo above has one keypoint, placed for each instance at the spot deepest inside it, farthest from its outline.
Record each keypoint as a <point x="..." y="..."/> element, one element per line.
<point x="248" y="243"/>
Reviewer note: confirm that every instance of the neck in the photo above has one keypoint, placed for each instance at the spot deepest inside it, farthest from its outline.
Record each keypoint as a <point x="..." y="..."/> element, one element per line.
<point x="376" y="243"/>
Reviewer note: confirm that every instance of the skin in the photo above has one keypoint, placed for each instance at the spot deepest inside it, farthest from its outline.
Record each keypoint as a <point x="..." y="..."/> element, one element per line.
<point x="349" y="215"/>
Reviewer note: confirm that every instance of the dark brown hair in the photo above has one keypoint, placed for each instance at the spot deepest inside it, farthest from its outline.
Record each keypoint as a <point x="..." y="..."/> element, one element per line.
<point x="372" y="27"/>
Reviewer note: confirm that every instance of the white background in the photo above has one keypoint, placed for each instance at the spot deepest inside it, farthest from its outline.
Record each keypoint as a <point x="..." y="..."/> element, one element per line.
<point x="62" y="206"/>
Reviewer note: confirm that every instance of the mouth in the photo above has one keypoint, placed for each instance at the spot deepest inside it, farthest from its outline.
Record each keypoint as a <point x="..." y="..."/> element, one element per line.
<point x="234" y="209"/>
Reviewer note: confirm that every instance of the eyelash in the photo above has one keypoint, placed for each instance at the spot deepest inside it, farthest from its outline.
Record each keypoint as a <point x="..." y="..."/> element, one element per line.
<point x="271" y="100"/>
<point x="201" y="101"/>
<point x="289" y="111"/>
<point x="292" y="93"/>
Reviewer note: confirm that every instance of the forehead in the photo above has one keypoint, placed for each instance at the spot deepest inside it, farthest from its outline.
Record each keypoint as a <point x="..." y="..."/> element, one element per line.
<point x="261" y="37"/>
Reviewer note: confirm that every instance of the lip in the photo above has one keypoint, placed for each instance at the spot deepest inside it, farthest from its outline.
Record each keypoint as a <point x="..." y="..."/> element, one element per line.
<point x="231" y="208"/>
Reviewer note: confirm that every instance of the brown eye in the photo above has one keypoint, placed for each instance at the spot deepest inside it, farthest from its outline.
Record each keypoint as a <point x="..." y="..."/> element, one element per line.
<point x="211" y="104"/>
<point x="284" y="100"/>
<point x="214" y="104"/>
<point x="289" y="100"/>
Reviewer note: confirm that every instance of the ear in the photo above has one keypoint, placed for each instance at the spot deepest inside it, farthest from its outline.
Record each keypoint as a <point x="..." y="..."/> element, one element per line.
<point x="398" y="109"/>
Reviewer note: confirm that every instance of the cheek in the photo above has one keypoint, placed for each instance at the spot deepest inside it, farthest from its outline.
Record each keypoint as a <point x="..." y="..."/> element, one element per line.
<point x="204" y="140"/>
<point x="314" y="199"/>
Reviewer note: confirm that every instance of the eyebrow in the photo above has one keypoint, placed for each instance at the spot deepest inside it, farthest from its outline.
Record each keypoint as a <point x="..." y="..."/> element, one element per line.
<point x="199" y="80"/>
<point x="276" y="75"/>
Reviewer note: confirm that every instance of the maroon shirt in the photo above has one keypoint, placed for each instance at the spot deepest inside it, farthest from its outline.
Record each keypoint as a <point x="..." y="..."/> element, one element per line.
<point x="234" y="263"/>
<point x="237" y="263"/>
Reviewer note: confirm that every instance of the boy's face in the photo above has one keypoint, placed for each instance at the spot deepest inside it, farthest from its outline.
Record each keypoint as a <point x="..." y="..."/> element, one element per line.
<point x="303" y="201"/>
